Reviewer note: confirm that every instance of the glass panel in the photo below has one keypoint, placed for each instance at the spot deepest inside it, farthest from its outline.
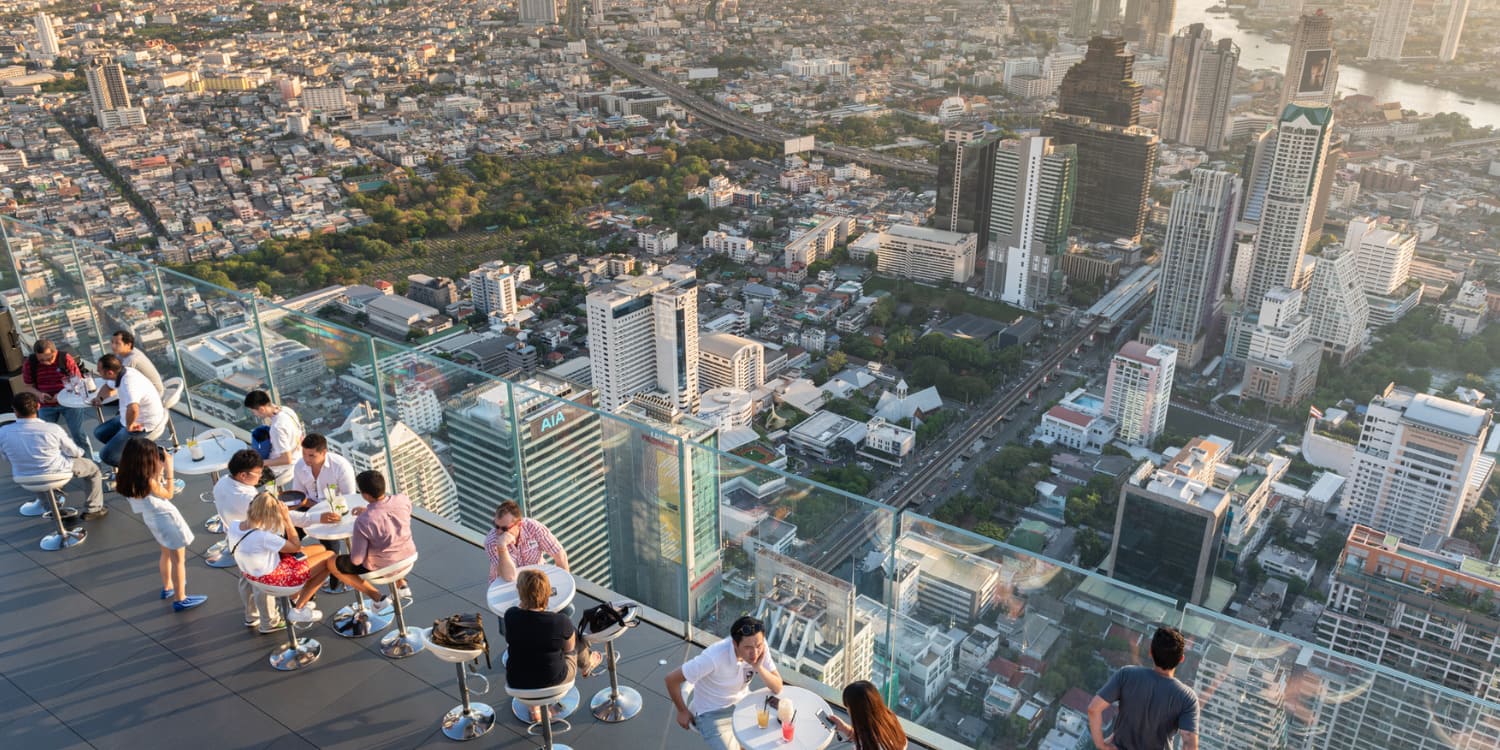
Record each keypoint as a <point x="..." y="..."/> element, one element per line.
<point x="125" y="297"/>
<point x="219" y="347"/>
<point x="48" y="299"/>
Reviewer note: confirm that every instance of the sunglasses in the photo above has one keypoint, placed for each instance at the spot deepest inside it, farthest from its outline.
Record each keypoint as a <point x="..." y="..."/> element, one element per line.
<point x="745" y="630"/>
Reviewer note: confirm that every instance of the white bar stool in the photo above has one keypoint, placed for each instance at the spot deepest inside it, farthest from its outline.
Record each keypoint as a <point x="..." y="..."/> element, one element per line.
<point x="467" y="720"/>
<point x="403" y="641"/>
<point x="614" y="704"/>
<point x="544" y="697"/>
<point x="299" y="652"/>
<point x="50" y="484"/>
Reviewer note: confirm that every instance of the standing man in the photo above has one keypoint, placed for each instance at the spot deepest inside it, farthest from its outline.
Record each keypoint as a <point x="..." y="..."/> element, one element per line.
<point x="721" y="677"/>
<point x="382" y="537"/>
<point x="36" y="447"/>
<point x="286" y="434"/>
<point x="319" y="468"/>
<point x="141" y="410"/>
<point x="46" y="372"/>
<point x="516" y="542"/>
<point x="1154" y="705"/>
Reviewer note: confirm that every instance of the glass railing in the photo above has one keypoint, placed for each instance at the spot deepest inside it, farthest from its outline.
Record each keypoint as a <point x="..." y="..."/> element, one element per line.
<point x="974" y="643"/>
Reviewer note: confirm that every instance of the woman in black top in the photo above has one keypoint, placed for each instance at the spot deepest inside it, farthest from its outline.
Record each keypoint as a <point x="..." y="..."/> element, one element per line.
<point x="544" y="647"/>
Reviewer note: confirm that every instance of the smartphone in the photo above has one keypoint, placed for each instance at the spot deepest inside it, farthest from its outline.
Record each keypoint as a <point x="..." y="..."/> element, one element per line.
<point x="300" y="556"/>
<point x="772" y="702"/>
<point x="823" y="717"/>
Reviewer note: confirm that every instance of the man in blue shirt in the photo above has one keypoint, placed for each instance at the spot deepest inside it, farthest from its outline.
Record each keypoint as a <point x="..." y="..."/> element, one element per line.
<point x="34" y="446"/>
<point x="1154" y="705"/>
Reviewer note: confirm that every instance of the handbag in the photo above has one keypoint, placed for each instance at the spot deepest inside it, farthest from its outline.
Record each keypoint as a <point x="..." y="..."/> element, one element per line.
<point x="462" y="631"/>
<point x="608" y="615"/>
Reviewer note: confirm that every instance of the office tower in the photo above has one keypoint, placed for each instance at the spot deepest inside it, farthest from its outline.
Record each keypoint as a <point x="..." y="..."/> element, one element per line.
<point x="46" y="38"/>
<point x="811" y="621"/>
<point x="1282" y="362"/>
<point x="1148" y="23"/>
<point x="1389" y="35"/>
<point x="1195" y="256"/>
<point x="1139" y="390"/>
<point x="1169" y="534"/>
<point x="553" y="466"/>
<point x="1454" y="30"/>
<point x="1030" y="212"/>
<point x="925" y="254"/>
<point x="1200" y="82"/>
<point x="1256" y="167"/>
<point x="111" y="99"/>
<point x="729" y="361"/>
<point x="364" y="438"/>
<point x="1293" y="176"/>
<point x="966" y="169"/>
<point x="1337" y="306"/>
<point x="493" y="287"/>
<point x="1418" y="464"/>
<point x="643" y="337"/>
<point x="1312" y="65"/>
<point x="1092" y="17"/>
<point x="1383" y="253"/>
<point x="1098" y="111"/>
<point x="538" y="12"/>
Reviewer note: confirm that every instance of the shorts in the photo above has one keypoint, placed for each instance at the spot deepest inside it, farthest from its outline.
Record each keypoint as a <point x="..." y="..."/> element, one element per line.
<point x="165" y="522"/>
<point x="291" y="571"/>
<point x="347" y="566"/>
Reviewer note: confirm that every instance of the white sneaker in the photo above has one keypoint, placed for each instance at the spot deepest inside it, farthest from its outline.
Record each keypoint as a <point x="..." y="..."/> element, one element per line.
<point x="305" y="613"/>
<point x="405" y="593"/>
<point x="384" y="607"/>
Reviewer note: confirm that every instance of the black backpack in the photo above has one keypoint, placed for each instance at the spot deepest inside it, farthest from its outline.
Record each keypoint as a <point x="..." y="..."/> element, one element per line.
<point x="608" y="615"/>
<point x="462" y="631"/>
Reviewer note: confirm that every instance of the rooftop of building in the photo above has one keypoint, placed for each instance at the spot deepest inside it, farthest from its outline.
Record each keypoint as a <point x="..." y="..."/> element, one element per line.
<point x="926" y="234"/>
<point x="1451" y="416"/>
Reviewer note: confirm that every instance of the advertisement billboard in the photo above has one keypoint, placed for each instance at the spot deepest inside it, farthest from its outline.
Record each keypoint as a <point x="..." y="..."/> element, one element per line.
<point x="1315" y="63"/>
<point x="797" y="145"/>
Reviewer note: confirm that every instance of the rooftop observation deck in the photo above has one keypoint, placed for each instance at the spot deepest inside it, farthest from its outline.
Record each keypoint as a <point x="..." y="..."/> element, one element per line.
<point x="975" y="643"/>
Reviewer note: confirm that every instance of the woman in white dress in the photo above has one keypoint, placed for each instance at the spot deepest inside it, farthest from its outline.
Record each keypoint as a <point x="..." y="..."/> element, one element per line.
<point x="145" y="478"/>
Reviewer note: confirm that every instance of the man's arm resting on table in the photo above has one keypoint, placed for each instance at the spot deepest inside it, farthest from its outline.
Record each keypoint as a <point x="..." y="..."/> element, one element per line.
<point x="1097" y="707"/>
<point x="771" y="677"/>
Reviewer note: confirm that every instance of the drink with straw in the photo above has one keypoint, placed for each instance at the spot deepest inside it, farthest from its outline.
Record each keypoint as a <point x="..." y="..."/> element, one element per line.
<point x="762" y="716"/>
<point x="195" y="450"/>
<point x="335" y="501"/>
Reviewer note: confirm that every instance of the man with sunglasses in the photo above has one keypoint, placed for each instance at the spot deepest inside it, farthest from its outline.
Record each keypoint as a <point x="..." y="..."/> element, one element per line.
<point x="516" y="542"/>
<point x="721" y="677"/>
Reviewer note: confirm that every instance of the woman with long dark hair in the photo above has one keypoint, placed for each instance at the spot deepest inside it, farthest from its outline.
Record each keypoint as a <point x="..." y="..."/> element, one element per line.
<point x="144" y="477"/>
<point x="871" y="725"/>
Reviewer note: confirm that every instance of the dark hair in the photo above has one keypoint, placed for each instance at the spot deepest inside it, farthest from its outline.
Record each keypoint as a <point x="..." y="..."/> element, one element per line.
<point x="140" y="463"/>
<point x="315" y="442"/>
<point x="371" y="483"/>
<point x="875" y="726"/>
<point x="744" y="628"/>
<point x="25" y="404"/>
<point x="1167" y="648"/>
<point x="126" y="337"/>
<point x="256" y="399"/>
<point x="245" y="460"/>
<point x="110" y="363"/>
<point x="509" y="506"/>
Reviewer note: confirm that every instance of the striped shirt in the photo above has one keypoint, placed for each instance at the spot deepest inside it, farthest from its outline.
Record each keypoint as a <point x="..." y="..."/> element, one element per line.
<point x="49" y="379"/>
<point x="531" y="543"/>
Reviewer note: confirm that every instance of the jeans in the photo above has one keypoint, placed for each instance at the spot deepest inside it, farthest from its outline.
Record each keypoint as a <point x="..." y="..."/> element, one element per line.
<point x="717" y="728"/>
<point x="113" y="436"/>
<point x="73" y="418"/>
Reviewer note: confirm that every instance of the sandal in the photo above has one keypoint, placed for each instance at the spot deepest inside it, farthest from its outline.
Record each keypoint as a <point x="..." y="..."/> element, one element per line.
<point x="593" y="664"/>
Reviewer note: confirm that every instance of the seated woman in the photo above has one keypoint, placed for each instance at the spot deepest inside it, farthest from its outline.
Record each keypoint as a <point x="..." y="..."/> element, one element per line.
<point x="266" y="548"/>
<point x="545" y="650"/>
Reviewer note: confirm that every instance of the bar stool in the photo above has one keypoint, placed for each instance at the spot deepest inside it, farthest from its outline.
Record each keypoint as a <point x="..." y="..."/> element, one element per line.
<point x="403" y="641"/>
<point x="171" y="394"/>
<point x="299" y="652"/>
<point x="544" y="697"/>
<point x="467" y="720"/>
<point x="614" y="704"/>
<point x="50" y="484"/>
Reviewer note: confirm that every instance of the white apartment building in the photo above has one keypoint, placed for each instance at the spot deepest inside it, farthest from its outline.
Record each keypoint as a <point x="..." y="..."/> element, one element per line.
<point x="1294" y="175"/>
<point x="643" y="337"/>
<point x="1337" y="305"/>
<point x="325" y="98"/>
<point x="816" y="243"/>
<point x="538" y="12"/>
<point x="1031" y="207"/>
<point x="1195" y="259"/>
<point x="419" y="473"/>
<point x="656" y="240"/>
<point x="1200" y="82"/>
<point x="729" y="361"/>
<point x="1139" y="390"/>
<point x="886" y="442"/>
<point x="1389" y="35"/>
<point x="493" y="287"/>
<point x="924" y="254"/>
<point x="813" y="67"/>
<point x="738" y="249"/>
<point x="1282" y="362"/>
<point x="1453" y="31"/>
<point x="1383" y="253"/>
<point x="46" y="39"/>
<point x="1248" y="683"/>
<point x="1077" y="422"/>
<point x="1418" y="466"/>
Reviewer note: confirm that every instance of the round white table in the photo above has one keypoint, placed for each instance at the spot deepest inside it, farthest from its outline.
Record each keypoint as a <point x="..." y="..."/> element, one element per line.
<point x="67" y="399"/>
<point x="502" y="594"/>
<point x="810" y="733"/>
<point x="216" y="453"/>
<point x="334" y="532"/>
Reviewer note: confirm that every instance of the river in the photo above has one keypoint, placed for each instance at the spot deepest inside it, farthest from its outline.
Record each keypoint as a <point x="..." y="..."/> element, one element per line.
<point x="1258" y="52"/>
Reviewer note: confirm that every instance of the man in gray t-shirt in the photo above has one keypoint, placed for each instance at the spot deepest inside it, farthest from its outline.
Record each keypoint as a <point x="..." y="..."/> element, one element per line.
<point x="1153" y="704"/>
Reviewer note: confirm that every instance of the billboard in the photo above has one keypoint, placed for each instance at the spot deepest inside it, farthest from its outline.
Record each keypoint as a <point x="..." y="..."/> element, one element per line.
<point x="797" y="145"/>
<point x="1315" y="64"/>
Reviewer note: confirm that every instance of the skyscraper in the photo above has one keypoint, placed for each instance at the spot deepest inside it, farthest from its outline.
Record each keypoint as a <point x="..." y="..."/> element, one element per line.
<point x="1031" y="209"/>
<point x="1091" y="17"/>
<point x="1169" y="534"/>
<point x="364" y="438"/>
<point x="1389" y="35"/>
<point x="1312" y="65"/>
<point x="1336" y="302"/>
<point x="1293" y="180"/>
<point x="1200" y="82"/>
<point x="643" y="337"/>
<point x="541" y="12"/>
<point x="966" y="168"/>
<point x="1195" y="256"/>
<point x="1418" y="464"/>
<point x="111" y="99"/>
<point x="1139" y="390"/>
<point x="1148" y="23"/>
<point x="1454" y="30"/>
<point x="1099" y="111"/>
<point x="46" y="38"/>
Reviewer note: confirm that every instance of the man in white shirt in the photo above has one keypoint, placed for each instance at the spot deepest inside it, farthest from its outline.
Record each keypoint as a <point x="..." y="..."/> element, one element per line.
<point x="34" y="446"/>
<point x="232" y="495"/>
<point x="721" y="677"/>
<point x="122" y="343"/>
<point x="318" y="469"/>
<point x="286" y="434"/>
<point x="141" y="410"/>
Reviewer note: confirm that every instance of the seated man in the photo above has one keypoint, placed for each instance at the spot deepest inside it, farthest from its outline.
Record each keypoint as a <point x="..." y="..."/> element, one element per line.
<point x="319" y="469"/>
<point x="47" y="372"/>
<point x="141" y="410"/>
<point x="382" y="537"/>
<point x="232" y="496"/>
<point x="721" y="677"/>
<point x="36" y="447"/>
<point x="516" y="542"/>
<point x="122" y="343"/>
<point x="286" y="434"/>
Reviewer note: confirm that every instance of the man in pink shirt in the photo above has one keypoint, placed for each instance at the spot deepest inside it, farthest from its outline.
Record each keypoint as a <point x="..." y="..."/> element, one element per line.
<point x="516" y="542"/>
<point x="382" y="537"/>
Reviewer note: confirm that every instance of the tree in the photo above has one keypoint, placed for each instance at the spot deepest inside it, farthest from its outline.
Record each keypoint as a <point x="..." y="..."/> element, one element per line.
<point x="837" y="361"/>
<point x="992" y="530"/>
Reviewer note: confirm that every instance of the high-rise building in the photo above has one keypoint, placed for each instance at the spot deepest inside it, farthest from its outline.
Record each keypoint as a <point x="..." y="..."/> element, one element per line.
<point x="966" y="168"/>
<point x="1030" y="212"/>
<point x="1169" y="534"/>
<point x="1249" y="684"/>
<point x="1336" y="304"/>
<point x="1195" y="257"/>
<point x="926" y="254"/>
<point x="729" y="361"/>
<point x="111" y="98"/>
<point x="1099" y="112"/>
<point x="46" y="38"/>
<point x="1453" y="31"/>
<point x="1389" y="35"/>
<point x="1138" y="392"/>
<point x="1383" y="252"/>
<point x="1148" y="23"/>
<point x="1418" y="465"/>
<point x="493" y="287"/>
<point x="364" y="438"/>
<point x="1093" y="17"/>
<point x="1293" y="179"/>
<point x="538" y="12"/>
<point x="1312" y="65"/>
<point x="1282" y="362"/>
<point x="1200" y="82"/>
<point x="643" y="337"/>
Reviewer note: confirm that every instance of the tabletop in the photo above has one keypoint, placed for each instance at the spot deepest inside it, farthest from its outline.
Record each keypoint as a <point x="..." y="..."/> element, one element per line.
<point x="216" y="453"/>
<point x="502" y="594"/>
<point x="343" y="529"/>
<point x="810" y="733"/>
<point x="66" y="397"/>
